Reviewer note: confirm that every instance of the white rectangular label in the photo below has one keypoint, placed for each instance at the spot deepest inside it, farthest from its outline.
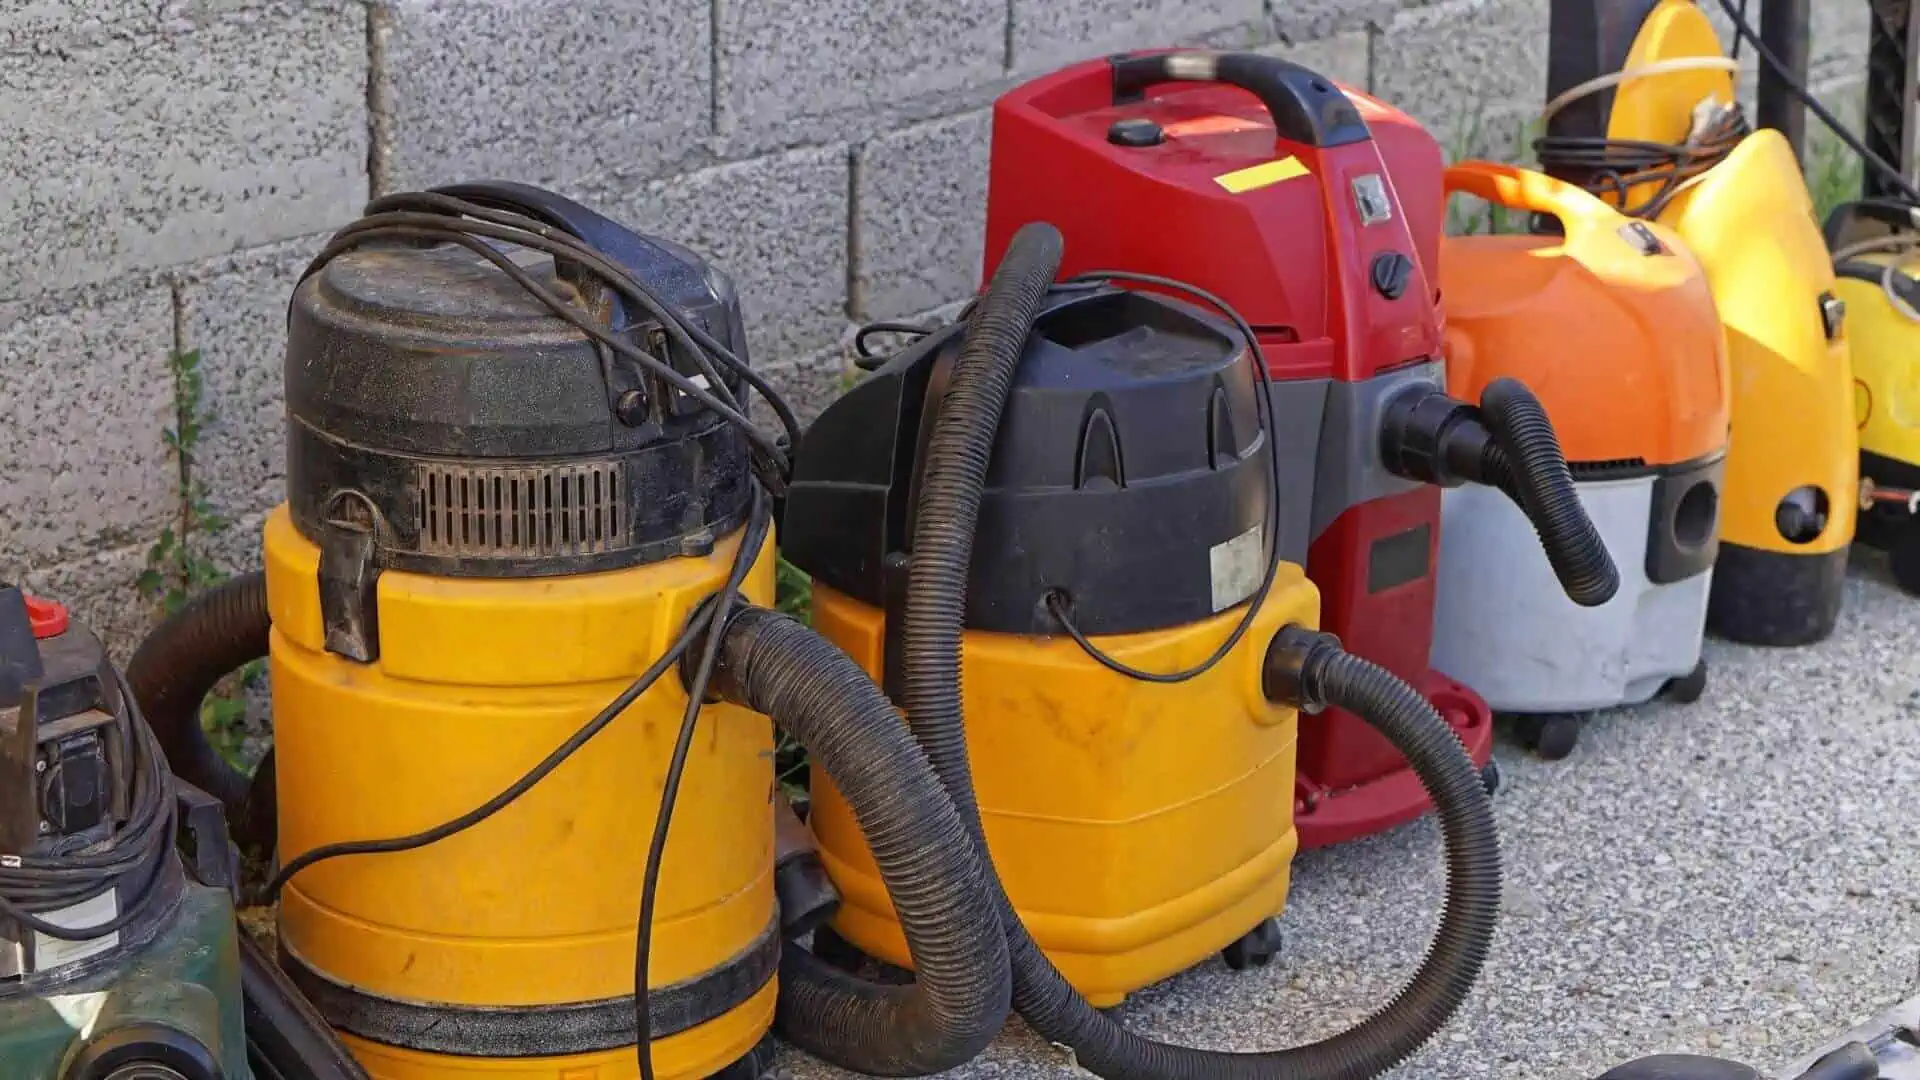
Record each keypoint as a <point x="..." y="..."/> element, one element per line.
<point x="1237" y="565"/>
<point x="50" y="952"/>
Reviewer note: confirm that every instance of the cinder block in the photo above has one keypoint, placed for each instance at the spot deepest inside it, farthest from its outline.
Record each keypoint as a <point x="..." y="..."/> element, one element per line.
<point x="786" y="64"/>
<point x="1342" y="57"/>
<point x="777" y="224"/>
<point x="920" y="203"/>
<point x="234" y="312"/>
<point x="140" y="141"/>
<point x="1051" y="33"/>
<point x="102" y="592"/>
<point x="812" y="384"/>
<point x="1458" y="66"/>
<point x="1302" y="21"/>
<point x="543" y="91"/>
<point x="237" y="548"/>
<point x="87" y="396"/>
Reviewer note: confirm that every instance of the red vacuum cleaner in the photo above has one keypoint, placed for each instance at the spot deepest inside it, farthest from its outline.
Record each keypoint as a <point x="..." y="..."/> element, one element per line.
<point x="1317" y="213"/>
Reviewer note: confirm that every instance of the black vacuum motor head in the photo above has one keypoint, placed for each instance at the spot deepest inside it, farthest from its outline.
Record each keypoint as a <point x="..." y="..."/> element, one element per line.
<point x="1128" y="480"/>
<point x="446" y="421"/>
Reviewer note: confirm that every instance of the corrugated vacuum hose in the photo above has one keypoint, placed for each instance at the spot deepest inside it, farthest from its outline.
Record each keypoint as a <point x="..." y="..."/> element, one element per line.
<point x="932" y="869"/>
<point x="214" y="634"/>
<point x="944" y="521"/>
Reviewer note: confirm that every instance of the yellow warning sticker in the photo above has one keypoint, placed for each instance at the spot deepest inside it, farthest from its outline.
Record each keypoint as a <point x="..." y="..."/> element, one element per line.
<point x="1255" y="177"/>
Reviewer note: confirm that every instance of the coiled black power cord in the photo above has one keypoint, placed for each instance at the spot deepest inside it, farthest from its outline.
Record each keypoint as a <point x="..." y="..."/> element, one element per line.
<point x="34" y="885"/>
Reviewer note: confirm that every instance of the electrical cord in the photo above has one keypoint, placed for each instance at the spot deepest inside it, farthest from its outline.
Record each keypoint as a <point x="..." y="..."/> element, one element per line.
<point x="34" y="885"/>
<point x="914" y="330"/>
<point x="1617" y="167"/>
<point x="1904" y="248"/>
<point x="446" y="219"/>
<point x="712" y="623"/>
<point x="1061" y="605"/>
<point x="1891" y="175"/>
<point x="442" y="218"/>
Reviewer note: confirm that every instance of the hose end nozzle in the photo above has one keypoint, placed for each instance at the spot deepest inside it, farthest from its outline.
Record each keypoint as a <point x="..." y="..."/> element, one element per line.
<point x="1295" y="659"/>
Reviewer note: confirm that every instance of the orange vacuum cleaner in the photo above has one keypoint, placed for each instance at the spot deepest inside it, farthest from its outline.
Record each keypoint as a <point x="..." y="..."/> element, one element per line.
<point x="1613" y="323"/>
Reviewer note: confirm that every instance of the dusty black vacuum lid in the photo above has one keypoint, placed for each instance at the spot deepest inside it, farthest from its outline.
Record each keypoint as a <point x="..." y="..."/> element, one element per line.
<point x="438" y="403"/>
<point x="1130" y="473"/>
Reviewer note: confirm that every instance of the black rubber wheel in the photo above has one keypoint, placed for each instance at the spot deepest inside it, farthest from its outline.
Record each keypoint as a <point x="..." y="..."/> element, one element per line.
<point x="1687" y="688"/>
<point x="757" y="1064"/>
<point x="1775" y="599"/>
<point x="1903" y="558"/>
<point x="1256" y="948"/>
<point x="1490" y="777"/>
<point x="838" y="951"/>
<point x="1557" y="738"/>
<point x="850" y="958"/>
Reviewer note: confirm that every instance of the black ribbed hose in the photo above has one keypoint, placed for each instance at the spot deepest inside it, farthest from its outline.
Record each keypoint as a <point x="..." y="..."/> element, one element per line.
<point x="215" y="634"/>
<point x="1526" y="462"/>
<point x="944" y="521"/>
<point x="935" y="875"/>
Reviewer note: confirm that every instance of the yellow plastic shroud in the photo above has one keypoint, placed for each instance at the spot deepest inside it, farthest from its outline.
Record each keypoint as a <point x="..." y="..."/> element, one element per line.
<point x="1886" y="368"/>
<point x="478" y="680"/>
<point x="1139" y="828"/>
<point x="1750" y="221"/>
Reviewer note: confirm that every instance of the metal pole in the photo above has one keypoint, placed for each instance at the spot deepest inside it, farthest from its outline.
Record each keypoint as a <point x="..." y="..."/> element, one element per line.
<point x="1892" y="94"/>
<point x="1785" y="28"/>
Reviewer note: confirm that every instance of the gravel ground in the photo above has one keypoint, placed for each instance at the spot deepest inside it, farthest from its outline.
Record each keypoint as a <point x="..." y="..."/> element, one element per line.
<point x="1735" y="877"/>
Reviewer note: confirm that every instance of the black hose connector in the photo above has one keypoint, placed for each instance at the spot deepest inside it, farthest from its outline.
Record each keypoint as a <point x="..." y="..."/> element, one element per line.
<point x="1509" y="443"/>
<point x="215" y="634"/>
<point x="934" y="873"/>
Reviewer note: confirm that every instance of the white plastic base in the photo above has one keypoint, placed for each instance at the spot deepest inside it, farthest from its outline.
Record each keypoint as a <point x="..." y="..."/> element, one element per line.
<point x="1503" y="626"/>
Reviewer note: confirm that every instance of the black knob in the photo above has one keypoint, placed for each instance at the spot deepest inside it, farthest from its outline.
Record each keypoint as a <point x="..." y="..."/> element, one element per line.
<point x="1136" y="131"/>
<point x="1391" y="272"/>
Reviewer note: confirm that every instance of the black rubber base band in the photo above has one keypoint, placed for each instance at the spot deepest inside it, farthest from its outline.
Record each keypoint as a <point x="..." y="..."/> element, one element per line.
<point x="538" y="1030"/>
<point x="1772" y="598"/>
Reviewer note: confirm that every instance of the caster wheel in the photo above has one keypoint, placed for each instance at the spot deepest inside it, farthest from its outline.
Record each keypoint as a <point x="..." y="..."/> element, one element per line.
<point x="757" y="1064"/>
<point x="1687" y="688"/>
<point x="1256" y="948"/>
<point x="1490" y="777"/>
<point x="1903" y="558"/>
<point x="838" y="951"/>
<point x="1556" y="738"/>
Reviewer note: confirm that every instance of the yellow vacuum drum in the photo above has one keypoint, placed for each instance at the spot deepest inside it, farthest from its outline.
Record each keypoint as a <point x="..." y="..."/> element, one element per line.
<point x="490" y="532"/>
<point x="1139" y="828"/>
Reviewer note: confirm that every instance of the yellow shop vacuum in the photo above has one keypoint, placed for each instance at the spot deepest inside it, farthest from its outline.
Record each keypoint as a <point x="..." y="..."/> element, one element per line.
<point x="1050" y="530"/>
<point x="513" y="604"/>
<point x="1876" y="250"/>
<point x="1643" y="113"/>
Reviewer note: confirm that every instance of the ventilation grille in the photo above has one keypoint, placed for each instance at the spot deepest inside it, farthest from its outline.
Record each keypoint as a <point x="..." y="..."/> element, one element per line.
<point x="521" y="511"/>
<point x="1602" y="470"/>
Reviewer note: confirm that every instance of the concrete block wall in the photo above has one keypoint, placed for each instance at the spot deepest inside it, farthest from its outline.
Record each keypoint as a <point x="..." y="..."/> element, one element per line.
<point x="172" y="164"/>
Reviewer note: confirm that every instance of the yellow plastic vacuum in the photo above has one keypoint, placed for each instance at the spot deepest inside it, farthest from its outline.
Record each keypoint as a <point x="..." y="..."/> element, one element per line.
<point x="1644" y="114"/>
<point x="1138" y="827"/>
<point x="457" y="583"/>
<point x="1876" y="246"/>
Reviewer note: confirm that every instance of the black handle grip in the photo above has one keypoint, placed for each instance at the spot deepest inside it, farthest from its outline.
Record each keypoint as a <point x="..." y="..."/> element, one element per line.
<point x="1895" y="213"/>
<point x="1306" y="107"/>
<point x="639" y="254"/>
